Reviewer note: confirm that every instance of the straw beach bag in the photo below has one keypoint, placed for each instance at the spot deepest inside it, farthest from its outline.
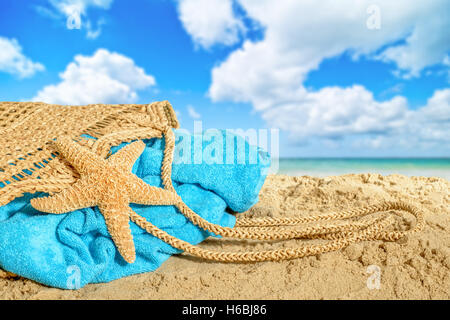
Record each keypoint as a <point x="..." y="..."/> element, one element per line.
<point x="33" y="161"/>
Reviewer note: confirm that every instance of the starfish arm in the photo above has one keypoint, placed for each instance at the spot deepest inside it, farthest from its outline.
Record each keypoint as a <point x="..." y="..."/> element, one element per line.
<point x="127" y="156"/>
<point x="82" y="159"/>
<point x="78" y="196"/>
<point x="117" y="218"/>
<point x="142" y="193"/>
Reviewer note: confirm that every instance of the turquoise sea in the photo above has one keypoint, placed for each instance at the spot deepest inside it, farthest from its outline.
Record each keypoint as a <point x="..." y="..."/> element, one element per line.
<point x="321" y="167"/>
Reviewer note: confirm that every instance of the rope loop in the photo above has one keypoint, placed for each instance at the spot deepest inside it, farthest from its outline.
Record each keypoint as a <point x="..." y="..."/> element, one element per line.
<point x="338" y="235"/>
<point x="338" y="230"/>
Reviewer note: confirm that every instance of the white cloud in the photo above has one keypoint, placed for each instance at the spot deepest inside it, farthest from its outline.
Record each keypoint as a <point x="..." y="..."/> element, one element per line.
<point x="192" y="113"/>
<point x="432" y="122"/>
<point x="68" y="7"/>
<point x="13" y="61"/>
<point x="427" y="127"/>
<point x="427" y="44"/>
<point x="334" y="112"/>
<point x="75" y="12"/>
<point x="299" y="35"/>
<point x="210" y="22"/>
<point x="104" y="77"/>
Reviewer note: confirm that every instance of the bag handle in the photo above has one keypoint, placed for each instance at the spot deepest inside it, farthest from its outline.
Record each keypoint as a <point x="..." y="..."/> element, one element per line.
<point x="340" y="235"/>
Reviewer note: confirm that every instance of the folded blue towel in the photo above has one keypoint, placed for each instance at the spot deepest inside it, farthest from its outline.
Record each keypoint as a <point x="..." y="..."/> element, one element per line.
<point x="71" y="250"/>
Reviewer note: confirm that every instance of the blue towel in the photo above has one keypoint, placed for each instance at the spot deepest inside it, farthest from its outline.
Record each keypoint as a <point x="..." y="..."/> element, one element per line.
<point x="71" y="250"/>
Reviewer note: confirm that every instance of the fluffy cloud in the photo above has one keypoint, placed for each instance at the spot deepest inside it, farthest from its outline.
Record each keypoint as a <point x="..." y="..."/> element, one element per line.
<point x="68" y="7"/>
<point x="432" y="122"/>
<point x="13" y="61"/>
<point x="427" y="44"/>
<point x="299" y="35"/>
<point x="334" y="112"/>
<point x="104" y="77"/>
<point x="210" y="22"/>
<point x="426" y="128"/>
<point x="73" y="11"/>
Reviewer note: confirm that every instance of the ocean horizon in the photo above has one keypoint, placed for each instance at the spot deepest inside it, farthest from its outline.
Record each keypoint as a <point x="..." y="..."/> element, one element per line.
<point x="322" y="167"/>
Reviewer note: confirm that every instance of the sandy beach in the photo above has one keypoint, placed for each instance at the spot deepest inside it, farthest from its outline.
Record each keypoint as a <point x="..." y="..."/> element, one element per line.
<point x="413" y="268"/>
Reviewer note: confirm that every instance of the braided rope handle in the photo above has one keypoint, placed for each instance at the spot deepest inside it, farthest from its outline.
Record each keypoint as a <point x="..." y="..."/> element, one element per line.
<point x="341" y="235"/>
<point x="257" y="256"/>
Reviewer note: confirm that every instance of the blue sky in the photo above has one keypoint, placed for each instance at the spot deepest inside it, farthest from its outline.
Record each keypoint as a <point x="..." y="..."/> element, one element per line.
<point x="370" y="79"/>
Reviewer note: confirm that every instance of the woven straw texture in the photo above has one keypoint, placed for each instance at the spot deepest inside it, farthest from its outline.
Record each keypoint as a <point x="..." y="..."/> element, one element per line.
<point x="29" y="161"/>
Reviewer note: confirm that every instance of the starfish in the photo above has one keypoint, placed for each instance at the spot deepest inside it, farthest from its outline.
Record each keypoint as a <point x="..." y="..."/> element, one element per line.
<point x="108" y="184"/>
